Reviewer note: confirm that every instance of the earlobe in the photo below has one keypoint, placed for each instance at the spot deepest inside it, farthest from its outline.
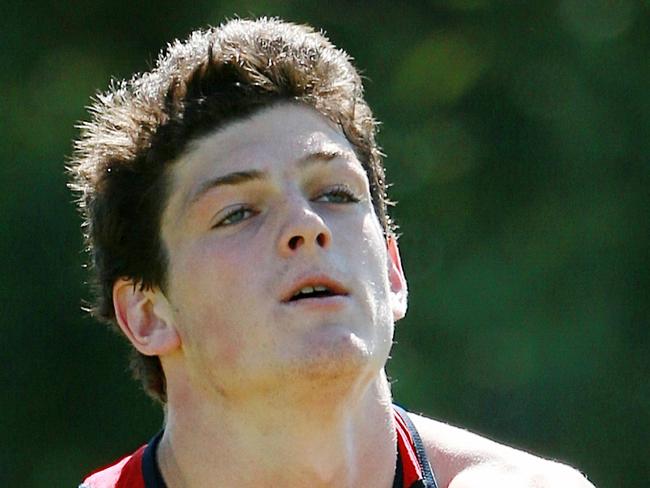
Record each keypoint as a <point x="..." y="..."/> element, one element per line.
<point x="145" y="316"/>
<point x="398" y="287"/>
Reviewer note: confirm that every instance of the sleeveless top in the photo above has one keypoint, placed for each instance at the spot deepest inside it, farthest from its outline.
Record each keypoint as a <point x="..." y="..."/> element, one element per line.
<point x="140" y="469"/>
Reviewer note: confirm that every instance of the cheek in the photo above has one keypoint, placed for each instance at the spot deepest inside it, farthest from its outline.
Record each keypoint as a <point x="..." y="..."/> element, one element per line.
<point x="208" y="270"/>
<point x="375" y="252"/>
<point x="208" y="293"/>
<point x="366" y="253"/>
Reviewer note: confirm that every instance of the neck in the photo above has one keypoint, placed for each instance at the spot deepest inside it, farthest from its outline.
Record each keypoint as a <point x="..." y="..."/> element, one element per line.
<point x="333" y="441"/>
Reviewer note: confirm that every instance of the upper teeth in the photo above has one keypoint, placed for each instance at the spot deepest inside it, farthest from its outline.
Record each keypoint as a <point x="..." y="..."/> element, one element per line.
<point x="310" y="289"/>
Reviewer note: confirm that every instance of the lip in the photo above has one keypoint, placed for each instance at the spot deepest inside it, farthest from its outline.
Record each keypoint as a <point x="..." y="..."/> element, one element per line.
<point x="336" y="287"/>
<point x="334" y="303"/>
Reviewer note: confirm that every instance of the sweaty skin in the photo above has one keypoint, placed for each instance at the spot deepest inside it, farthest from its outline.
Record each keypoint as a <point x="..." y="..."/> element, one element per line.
<point x="260" y="370"/>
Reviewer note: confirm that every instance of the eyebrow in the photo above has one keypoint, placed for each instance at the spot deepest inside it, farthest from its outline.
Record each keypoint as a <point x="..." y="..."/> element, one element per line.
<point x="240" y="177"/>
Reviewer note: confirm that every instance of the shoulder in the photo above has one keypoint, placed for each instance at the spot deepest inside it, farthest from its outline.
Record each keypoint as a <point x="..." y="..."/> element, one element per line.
<point x="124" y="473"/>
<point x="462" y="459"/>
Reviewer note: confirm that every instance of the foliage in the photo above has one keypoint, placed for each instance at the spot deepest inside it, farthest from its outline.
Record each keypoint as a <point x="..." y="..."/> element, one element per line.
<point x="516" y="135"/>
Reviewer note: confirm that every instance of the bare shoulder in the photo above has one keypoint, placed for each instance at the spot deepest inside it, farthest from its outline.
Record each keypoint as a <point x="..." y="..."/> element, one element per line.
<point x="462" y="459"/>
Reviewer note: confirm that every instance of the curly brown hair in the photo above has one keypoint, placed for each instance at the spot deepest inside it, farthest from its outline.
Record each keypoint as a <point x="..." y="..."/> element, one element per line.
<point x="138" y="128"/>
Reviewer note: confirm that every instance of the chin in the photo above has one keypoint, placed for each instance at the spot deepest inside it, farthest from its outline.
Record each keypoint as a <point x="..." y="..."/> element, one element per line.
<point x="337" y="355"/>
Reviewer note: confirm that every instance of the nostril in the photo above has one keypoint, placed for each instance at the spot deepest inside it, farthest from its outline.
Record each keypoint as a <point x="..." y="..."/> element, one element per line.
<point x="321" y="239"/>
<point x="295" y="242"/>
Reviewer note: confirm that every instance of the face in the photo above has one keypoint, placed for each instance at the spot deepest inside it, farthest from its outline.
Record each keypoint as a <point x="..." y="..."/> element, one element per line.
<point x="278" y="267"/>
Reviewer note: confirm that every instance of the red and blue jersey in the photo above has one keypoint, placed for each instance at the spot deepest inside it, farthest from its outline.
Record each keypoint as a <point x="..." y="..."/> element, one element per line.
<point x="140" y="469"/>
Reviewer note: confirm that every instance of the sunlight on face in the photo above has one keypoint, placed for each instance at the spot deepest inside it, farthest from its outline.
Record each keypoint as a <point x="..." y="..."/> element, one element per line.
<point x="278" y="264"/>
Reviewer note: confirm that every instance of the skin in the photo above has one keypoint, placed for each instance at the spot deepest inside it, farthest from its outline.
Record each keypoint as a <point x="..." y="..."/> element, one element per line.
<point x="258" y="210"/>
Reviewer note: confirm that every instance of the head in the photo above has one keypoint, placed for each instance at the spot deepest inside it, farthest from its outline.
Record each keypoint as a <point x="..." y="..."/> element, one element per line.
<point x="124" y="158"/>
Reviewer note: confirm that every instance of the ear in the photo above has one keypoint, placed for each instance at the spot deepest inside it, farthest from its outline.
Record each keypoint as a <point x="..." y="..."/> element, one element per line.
<point x="145" y="316"/>
<point x="398" y="288"/>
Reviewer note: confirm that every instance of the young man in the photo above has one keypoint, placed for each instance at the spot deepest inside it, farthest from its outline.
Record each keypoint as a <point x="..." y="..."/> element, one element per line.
<point x="235" y="209"/>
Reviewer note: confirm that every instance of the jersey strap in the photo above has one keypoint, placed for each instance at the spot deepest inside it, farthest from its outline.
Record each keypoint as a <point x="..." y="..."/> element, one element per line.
<point x="412" y="459"/>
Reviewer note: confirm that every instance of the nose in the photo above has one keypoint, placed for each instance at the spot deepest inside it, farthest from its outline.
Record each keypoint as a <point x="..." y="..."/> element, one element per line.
<point x="304" y="231"/>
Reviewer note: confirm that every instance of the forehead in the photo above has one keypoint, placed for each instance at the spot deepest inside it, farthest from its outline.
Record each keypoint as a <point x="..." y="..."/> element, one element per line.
<point x="273" y="140"/>
<point x="275" y="136"/>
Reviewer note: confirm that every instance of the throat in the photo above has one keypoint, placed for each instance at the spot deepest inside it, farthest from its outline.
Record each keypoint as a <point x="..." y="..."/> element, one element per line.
<point x="290" y="448"/>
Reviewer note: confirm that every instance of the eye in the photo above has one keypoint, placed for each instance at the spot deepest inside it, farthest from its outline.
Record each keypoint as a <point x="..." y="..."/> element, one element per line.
<point x="338" y="194"/>
<point x="234" y="216"/>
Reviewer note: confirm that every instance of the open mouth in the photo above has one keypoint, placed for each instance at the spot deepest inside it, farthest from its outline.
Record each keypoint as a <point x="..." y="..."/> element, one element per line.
<point x="318" y="291"/>
<point x="314" y="288"/>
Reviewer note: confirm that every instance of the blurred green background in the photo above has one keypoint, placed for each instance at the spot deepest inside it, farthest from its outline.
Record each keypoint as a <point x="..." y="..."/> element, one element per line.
<point x="517" y="141"/>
